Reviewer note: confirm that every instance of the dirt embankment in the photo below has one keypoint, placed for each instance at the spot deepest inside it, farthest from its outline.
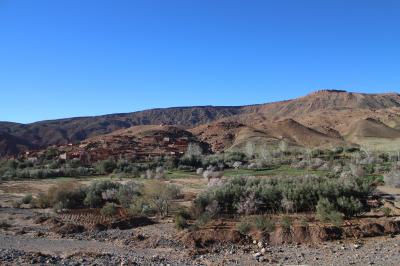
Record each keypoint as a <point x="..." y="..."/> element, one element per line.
<point x="222" y="232"/>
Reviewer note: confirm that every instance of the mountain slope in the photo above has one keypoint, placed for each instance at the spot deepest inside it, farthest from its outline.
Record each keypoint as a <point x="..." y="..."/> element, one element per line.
<point x="63" y="131"/>
<point x="10" y="145"/>
<point x="322" y="118"/>
<point x="371" y="128"/>
<point x="329" y="100"/>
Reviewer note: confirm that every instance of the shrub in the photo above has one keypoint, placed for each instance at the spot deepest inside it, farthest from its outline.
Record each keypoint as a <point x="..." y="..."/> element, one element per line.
<point x="128" y="192"/>
<point x="386" y="211"/>
<point x="16" y="204"/>
<point x="94" y="193"/>
<point x="286" y="224"/>
<point x="243" y="227"/>
<point x="160" y="173"/>
<point x="42" y="201"/>
<point x="338" y="150"/>
<point x="203" y="219"/>
<point x="326" y="212"/>
<point x="352" y="149"/>
<point x="210" y="174"/>
<point x="141" y="207"/>
<point x="213" y="209"/>
<point x="357" y="170"/>
<point x="235" y="156"/>
<point x="199" y="171"/>
<point x="181" y="219"/>
<point x="393" y="177"/>
<point x="249" y="204"/>
<point x="264" y="224"/>
<point x="26" y="199"/>
<point x="160" y="196"/>
<point x="304" y="221"/>
<point x="193" y="150"/>
<point x="106" y="166"/>
<point x="180" y="222"/>
<point x="66" y="195"/>
<point x="109" y="209"/>
<point x="214" y="159"/>
<point x="255" y="195"/>
<point x="349" y="206"/>
<point x="192" y="161"/>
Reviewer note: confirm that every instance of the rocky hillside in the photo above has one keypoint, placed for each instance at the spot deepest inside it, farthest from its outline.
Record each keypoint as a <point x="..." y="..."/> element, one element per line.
<point x="72" y="130"/>
<point x="137" y="142"/>
<point x="321" y="119"/>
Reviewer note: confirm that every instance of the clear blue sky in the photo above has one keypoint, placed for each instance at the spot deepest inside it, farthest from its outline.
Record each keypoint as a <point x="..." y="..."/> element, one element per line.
<point x="80" y="57"/>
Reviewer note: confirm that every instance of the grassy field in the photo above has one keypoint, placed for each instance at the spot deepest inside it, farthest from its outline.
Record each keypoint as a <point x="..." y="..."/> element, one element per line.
<point x="282" y="170"/>
<point x="180" y="174"/>
<point x="278" y="171"/>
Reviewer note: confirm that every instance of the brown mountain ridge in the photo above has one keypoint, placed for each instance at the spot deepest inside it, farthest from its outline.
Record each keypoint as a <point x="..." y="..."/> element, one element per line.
<point x="324" y="118"/>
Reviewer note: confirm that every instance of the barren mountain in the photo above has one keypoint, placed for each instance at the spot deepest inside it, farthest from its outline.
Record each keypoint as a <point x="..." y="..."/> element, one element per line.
<point x="324" y="118"/>
<point x="329" y="100"/>
<point x="72" y="130"/>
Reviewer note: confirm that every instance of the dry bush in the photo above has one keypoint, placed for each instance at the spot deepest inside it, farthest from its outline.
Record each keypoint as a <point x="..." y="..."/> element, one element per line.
<point x="160" y="196"/>
<point x="255" y="195"/>
<point x="109" y="209"/>
<point x="199" y="171"/>
<point x="263" y="223"/>
<point x="392" y="178"/>
<point x="66" y="195"/>
<point x="27" y="199"/>
<point x="249" y="204"/>
<point x="244" y="227"/>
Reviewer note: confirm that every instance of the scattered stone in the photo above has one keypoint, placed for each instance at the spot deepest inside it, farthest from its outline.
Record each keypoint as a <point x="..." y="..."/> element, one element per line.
<point x="256" y="255"/>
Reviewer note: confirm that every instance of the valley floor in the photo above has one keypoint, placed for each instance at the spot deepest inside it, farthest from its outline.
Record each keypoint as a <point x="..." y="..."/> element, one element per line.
<point x="24" y="241"/>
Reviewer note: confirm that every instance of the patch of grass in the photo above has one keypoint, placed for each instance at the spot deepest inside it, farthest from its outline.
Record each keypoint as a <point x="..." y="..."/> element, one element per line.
<point x="243" y="227"/>
<point x="286" y="223"/>
<point x="181" y="219"/>
<point x="282" y="170"/>
<point x="263" y="223"/>
<point x="304" y="221"/>
<point x="203" y="219"/>
<point x="176" y="174"/>
<point x="386" y="211"/>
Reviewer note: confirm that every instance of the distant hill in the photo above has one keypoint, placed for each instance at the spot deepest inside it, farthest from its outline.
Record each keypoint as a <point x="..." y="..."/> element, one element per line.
<point x="10" y="145"/>
<point x="371" y="128"/>
<point x="324" y="118"/>
<point x="73" y="130"/>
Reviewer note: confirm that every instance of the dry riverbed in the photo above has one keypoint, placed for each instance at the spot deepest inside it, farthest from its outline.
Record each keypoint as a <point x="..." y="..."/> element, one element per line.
<point x="24" y="240"/>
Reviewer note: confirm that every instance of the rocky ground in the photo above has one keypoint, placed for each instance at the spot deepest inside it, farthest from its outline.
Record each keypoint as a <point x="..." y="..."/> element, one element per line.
<point x="23" y="241"/>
